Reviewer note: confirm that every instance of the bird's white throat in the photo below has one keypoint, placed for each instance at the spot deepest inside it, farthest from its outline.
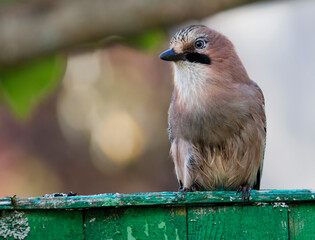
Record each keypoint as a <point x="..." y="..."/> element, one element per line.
<point x="190" y="80"/>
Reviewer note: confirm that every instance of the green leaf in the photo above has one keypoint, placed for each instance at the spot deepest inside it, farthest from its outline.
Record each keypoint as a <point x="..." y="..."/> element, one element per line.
<point x="24" y="86"/>
<point x="150" y="40"/>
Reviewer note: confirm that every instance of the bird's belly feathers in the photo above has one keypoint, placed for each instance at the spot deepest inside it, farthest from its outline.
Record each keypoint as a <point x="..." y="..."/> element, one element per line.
<point x="226" y="166"/>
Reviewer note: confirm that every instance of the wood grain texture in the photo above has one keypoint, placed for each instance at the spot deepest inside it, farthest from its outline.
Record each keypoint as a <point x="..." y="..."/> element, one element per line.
<point x="153" y="199"/>
<point x="302" y="221"/>
<point x="237" y="222"/>
<point x="136" y="223"/>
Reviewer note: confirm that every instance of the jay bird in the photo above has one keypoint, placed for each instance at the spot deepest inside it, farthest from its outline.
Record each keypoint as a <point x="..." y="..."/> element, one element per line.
<point x="217" y="122"/>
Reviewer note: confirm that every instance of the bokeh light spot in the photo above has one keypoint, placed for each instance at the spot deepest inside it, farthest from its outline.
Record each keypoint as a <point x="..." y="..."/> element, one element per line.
<point x="119" y="137"/>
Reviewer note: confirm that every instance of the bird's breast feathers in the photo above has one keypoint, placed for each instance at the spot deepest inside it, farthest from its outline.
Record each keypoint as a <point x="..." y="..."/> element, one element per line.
<point x="190" y="81"/>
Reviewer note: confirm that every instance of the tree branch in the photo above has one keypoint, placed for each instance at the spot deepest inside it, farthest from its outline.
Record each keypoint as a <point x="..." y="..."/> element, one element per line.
<point x="36" y="28"/>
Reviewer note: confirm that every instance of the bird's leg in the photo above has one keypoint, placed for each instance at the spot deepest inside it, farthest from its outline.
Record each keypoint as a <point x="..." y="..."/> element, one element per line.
<point x="189" y="170"/>
<point x="180" y="189"/>
<point x="245" y="190"/>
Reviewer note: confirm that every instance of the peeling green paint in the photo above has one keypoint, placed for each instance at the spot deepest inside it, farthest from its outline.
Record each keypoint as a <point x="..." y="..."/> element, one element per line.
<point x="176" y="234"/>
<point x="146" y="229"/>
<point x="129" y="236"/>
<point x="162" y="225"/>
<point x="155" y="199"/>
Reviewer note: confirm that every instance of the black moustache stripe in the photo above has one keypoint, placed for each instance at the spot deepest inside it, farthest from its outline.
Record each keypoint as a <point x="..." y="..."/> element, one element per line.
<point x="197" y="58"/>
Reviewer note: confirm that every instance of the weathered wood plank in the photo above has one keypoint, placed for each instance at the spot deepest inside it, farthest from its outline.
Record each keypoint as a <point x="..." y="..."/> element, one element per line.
<point x="151" y="199"/>
<point x="302" y="221"/>
<point x="237" y="222"/>
<point x="201" y="215"/>
<point x="41" y="224"/>
<point x="136" y="223"/>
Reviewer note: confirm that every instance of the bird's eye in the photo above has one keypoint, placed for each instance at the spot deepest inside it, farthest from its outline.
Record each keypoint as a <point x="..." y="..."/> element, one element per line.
<point x="199" y="44"/>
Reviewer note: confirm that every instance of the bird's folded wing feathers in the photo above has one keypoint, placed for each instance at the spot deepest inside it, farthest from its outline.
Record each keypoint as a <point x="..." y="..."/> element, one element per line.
<point x="259" y="173"/>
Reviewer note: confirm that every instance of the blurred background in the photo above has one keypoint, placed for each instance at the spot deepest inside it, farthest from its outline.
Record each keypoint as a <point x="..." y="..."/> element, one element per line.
<point x="94" y="119"/>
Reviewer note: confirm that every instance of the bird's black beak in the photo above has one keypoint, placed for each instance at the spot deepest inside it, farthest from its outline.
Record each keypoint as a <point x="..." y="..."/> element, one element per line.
<point x="170" y="55"/>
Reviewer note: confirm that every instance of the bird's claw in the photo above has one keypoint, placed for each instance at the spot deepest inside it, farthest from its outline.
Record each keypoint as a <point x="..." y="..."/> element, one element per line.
<point x="245" y="190"/>
<point x="186" y="189"/>
<point x="183" y="189"/>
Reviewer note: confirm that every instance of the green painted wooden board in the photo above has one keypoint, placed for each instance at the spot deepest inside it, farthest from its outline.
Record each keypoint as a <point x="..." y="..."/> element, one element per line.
<point x="41" y="225"/>
<point x="136" y="223"/>
<point x="237" y="222"/>
<point x="302" y="221"/>
<point x="201" y="215"/>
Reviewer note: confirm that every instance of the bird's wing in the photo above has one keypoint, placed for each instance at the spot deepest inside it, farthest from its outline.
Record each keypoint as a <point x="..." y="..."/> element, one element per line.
<point x="170" y="131"/>
<point x="259" y="173"/>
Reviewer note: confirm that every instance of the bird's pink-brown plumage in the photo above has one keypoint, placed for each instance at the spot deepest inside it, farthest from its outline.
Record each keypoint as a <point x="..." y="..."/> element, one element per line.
<point x="216" y="117"/>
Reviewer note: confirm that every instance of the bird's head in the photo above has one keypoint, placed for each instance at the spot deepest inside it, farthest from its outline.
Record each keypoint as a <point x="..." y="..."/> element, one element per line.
<point x="198" y="49"/>
<point x="190" y="44"/>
